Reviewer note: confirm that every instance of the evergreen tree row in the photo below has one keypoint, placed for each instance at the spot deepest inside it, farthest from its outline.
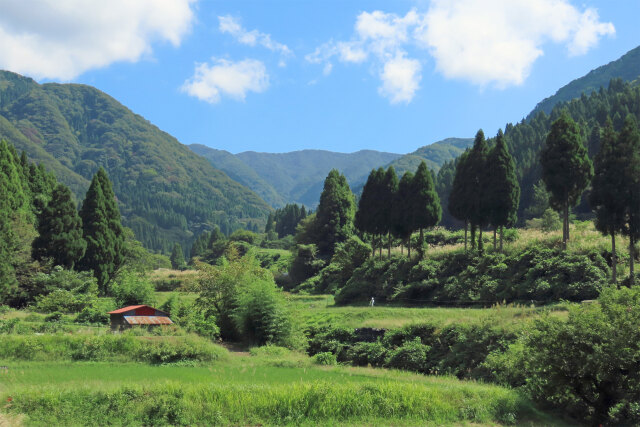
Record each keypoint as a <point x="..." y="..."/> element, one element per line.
<point x="485" y="189"/>
<point x="285" y="220"/>
<point x="398" y="209"/>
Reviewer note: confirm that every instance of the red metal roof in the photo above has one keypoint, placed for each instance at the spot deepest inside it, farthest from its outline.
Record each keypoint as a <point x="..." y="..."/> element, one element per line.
<point x="148" y="320"/>
<point x="125" y="309"/>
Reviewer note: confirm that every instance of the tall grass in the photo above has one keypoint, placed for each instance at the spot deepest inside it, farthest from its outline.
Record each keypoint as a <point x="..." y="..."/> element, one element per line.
<point x="173" y="403"/>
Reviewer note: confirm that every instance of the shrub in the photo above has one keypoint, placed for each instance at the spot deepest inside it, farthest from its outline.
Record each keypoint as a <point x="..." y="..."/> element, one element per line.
<point x="411" y="356"/>
<point x="325" y="358"/>
<point x="54" y="317"/>
<point x="65" y="301"/>
<point x="131" y="289"/>
<point x="92" y="315"/>
<point x="367" y="354"/>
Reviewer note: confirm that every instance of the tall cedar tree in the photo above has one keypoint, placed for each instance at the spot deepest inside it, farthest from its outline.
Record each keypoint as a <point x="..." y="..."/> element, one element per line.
<point x="403" y="214"/>
<point x="629" y="142"/>
<point x="101" y="255"/>
<point x="477" y="192"/>
<point x="566" y="168"/>
<point x="365" y="219"/>
<point x="459" y="206"/>
<point x="503" y="190"/>
<point x="113" y="216"/>
<point x="60" y="230"/>
<point x="608" y="196"/>
<point x="386" y="198"/>
<point x="425" y="203"/>
<point x="334" y="217"/>
<point x="177" y="257"/>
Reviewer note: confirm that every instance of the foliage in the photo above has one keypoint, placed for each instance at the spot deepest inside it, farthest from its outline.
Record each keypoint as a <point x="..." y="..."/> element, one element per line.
<point x="305" y="264"/>
<point x="286" y="219"/>
<point x="177" y="258"/>
<point x="325" y="359"/>
<point x="131" y="288"/>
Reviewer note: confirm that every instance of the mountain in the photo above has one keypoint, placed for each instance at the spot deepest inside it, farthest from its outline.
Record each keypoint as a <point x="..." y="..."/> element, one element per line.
<point x="240" y="172"/>
<point x="435" y="155"/>
<point x="627" y="68"/>
<point x="166" y="193"/>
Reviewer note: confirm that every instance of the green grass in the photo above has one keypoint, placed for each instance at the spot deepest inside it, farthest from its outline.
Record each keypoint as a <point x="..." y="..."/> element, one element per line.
<point x="320" y="310"/>
<point x="250" y="390"/>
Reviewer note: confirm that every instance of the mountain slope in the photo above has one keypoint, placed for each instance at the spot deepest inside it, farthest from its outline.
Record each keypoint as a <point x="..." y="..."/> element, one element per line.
<point x="433" y="154"/>
<point x="299" y="176"/>
<point x="240" y="172"/>
<point x="166" y="192"/>
<point x="627" y="68"/>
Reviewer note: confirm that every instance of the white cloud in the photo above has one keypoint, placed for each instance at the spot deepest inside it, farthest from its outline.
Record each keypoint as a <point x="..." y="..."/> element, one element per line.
<point x="485" y="42"/>
<point x="224" y="77"/>
<point x="60" y="39"/>
<point x="497" y="41"/>
<point x="400" y="79"/>
<point x="230" y="25"/>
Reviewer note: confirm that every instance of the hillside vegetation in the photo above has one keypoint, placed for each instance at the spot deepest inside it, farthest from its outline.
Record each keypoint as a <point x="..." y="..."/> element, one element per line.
<point x="166" y="192"/>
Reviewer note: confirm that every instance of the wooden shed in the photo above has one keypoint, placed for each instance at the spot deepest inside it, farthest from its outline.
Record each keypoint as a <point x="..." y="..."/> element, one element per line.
<point x="132" y="315"/>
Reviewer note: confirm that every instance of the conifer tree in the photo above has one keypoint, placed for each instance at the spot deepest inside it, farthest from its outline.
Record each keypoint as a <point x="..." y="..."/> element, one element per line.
<point x="459" y="206"/>
<point x="403" y="216"/>
<point x="368" y="206"/>
<point x="270" y="226"/>
<point x="335" y="214"/>
<point x="177" y="257"/>
<point x="425" y="203"/>
<point x="502" y="188"/>
<point x="608" y="192"/>
<point x="386" y="198"/>
<point x="60" y="230"/>
<point x="629" y="143"/>
<point x="199" y="246"/>
<point x="476" y="180"/>
<point x="101" y="225"/>
<point x="566" y="168"/>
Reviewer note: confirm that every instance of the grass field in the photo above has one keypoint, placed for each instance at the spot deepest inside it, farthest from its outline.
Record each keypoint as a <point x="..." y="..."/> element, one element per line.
<point x="282" y="388"/>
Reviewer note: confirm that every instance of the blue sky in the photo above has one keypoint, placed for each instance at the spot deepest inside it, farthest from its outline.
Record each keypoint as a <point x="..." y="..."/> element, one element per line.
<point x="285" y="75"/>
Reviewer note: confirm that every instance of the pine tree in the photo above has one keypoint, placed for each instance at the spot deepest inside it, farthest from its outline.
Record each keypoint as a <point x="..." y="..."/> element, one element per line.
<point x="608" y="192"/>
<point x="459" y="205"/>
<point x="477" y="192"/>
<point x="60" y="230"/>
<point x="403" y="218"/>
<point x="113" y="216"/>
<point x="270" y="226"/>
<point x="368" y="206"/>
<point x="335" y="214"/>
<point x="566" y="168"/>
<point x="629" y="144"/>
<point x="503" y="190"/>
<point x="386" y="198"/>
<point x="105" y="248"/>
<point x="425" y="203"/>
<point x="177" y="257"/>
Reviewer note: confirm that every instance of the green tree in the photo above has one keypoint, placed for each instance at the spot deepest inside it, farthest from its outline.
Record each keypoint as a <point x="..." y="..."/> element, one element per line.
<point x="629" y="144"/>
<point x="335" y="214"/>
<point x="386" y="198"/>
<point x="566" y="168"/>
<point x="403" y="215"/>
<point x="608" y="196"/>
<point x="100" y="256"/>
<point x="368" y="206"/>
<point x="459" y="205"/>
<point x="477" y="191"/>
<point x="113" y="218"/>
<point x="60" y="230"/>
<point x="425" y="203"/>
<point x="177" y="257"/>
<point x="502" y="188"/>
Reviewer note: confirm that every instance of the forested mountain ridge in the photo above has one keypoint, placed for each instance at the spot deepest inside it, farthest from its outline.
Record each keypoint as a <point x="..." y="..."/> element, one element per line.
<point x="435" y="155"/>
<point x="627" y="68"/>
<point x="166" y="192"/>
<point x="240" y="172"/>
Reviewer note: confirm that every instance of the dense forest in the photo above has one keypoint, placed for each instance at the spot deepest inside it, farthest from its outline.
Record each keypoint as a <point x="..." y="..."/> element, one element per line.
<point x="165" y="192"/>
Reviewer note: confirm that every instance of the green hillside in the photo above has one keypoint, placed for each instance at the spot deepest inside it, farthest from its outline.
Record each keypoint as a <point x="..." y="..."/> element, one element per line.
<point x="166" y="192"/>
<point x="240" y="172"/>
<point x="434" y="155"/>
<point x="298" y="176"/>
<point x="626" y="68"/>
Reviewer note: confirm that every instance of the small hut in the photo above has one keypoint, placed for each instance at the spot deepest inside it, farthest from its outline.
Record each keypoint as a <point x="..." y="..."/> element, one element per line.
<point x="127" y="317"/>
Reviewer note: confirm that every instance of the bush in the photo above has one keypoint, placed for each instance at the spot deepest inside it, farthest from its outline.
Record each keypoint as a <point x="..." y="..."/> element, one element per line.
<point x="65" y="301"/>
<point x="326" y="358"/>
<point x="411" y="356"/>
<point x="92" y="315"/>
<point x="367" y="354"/>
<point x="54" y="317"/>
<point x="131" y="289"/>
